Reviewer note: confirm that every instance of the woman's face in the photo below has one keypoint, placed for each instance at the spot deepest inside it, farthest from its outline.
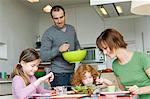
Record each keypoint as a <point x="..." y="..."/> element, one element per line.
<point x="107" y="51"/>
<point x="31" y="67"/>
<point x="87" y="79"/>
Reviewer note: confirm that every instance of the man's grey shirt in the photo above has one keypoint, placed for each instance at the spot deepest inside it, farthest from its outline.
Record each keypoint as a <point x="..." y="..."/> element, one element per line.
<point x="50" y="43"/>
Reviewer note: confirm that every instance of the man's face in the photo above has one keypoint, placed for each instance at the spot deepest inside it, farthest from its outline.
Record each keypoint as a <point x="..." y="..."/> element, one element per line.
<point x="59" y="18"/>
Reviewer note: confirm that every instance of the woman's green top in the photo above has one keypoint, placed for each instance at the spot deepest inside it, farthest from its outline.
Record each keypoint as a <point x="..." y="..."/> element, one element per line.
<point x="133" y="72"/>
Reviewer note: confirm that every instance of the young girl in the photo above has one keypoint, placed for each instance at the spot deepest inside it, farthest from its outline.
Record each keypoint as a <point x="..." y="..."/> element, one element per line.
<point x="24" y="82"/>
<point x="88" y="76"/>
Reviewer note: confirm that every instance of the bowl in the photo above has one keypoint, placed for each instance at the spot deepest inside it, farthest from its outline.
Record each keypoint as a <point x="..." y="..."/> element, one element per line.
<point x="74" y="56"/>
<point x="39" y="74"/>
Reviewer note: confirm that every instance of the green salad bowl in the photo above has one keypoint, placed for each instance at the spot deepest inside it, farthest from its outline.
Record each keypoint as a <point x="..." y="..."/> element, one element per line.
<point x="74" y="56"/>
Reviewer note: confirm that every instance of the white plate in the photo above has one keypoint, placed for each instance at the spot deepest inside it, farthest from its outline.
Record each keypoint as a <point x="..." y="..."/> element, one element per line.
<point x="115" y="93"/>
<point x="61" y="96"/>
<point x="70" y="96"/>
<point x="42" y="95"/>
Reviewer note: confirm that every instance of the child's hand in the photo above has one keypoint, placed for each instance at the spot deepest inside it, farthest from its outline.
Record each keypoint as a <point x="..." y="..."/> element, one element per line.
<point x="52" y="77"/>
<point x="48" y="78"/>
<point x="99" y="81"/>
<point x="103" y="81"/>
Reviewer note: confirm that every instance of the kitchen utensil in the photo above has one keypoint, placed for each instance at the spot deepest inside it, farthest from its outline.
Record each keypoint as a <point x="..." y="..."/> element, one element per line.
<point x="74" y="56"/>
<point x="99" y="77"/>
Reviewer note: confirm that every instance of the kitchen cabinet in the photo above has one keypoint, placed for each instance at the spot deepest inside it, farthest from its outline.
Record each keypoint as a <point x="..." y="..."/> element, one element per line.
<point x="5" y="87"/>
<point x="142" y="33"/>
<point x="125" y="26"/>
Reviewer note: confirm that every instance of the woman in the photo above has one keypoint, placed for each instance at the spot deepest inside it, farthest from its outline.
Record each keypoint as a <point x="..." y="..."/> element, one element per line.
<point x="131" y="68"/>
<point x="24" y="82"/>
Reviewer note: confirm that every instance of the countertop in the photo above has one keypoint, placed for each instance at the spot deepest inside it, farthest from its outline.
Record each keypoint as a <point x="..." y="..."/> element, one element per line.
<point x="5" y="81"/>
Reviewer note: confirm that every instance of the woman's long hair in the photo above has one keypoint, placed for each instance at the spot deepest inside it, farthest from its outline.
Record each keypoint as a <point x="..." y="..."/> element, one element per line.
<point x="27" y="55"/>
<point x="80" y="73"/>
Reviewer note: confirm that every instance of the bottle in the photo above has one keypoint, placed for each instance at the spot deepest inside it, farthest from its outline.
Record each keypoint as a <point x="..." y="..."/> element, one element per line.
<point x="3" y="75"/>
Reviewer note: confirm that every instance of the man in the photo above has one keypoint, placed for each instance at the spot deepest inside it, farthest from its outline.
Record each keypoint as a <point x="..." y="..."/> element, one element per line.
<point x="57" y="39"/>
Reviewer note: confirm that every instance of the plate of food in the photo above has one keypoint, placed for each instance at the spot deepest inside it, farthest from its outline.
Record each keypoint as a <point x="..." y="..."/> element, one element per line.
<point x="83" y="89"/>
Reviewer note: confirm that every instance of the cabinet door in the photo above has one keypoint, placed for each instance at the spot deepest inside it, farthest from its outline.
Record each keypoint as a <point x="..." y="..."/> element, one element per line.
<point x="6" y="97"/>
<point x="5" y="88"/>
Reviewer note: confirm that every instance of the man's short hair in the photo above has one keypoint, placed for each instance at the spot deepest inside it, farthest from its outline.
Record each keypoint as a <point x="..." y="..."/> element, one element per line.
<point x="56" y="8"/>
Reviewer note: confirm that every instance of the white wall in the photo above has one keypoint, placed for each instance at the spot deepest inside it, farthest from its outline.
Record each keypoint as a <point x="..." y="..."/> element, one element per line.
<point x="45" y="22"/>
<point x="89" y="24"/>
<point x="142" y="25"/>
<point x="18" y="29"/>
<point x="126" y="26"/>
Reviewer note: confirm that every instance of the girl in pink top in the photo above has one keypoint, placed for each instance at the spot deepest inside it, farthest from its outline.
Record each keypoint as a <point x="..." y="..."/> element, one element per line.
<point x="24" y="83"/>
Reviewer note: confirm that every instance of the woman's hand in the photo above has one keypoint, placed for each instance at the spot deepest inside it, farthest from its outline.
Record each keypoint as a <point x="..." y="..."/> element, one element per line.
<point x="135" y="89"/>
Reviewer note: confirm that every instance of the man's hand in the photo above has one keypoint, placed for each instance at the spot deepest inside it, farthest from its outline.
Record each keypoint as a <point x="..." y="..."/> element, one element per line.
<point x="64" y="47"/>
